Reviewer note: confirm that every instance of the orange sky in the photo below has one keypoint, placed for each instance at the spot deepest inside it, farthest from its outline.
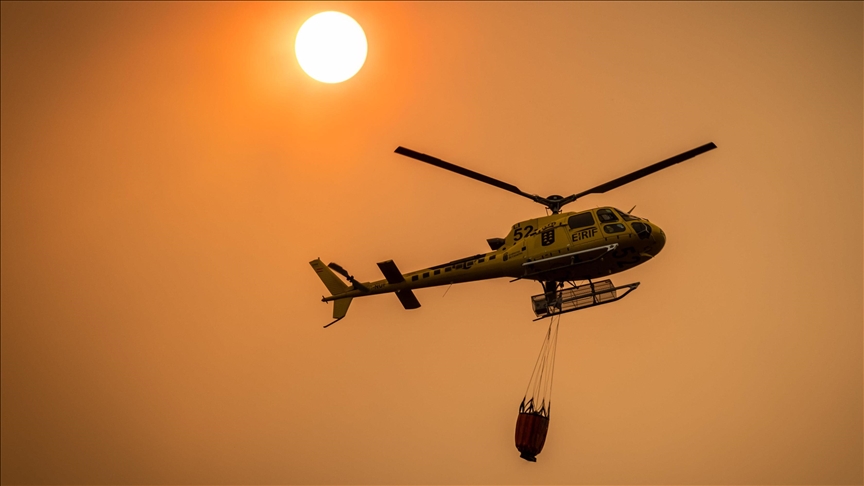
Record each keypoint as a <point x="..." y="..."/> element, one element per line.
<point x="168" y="172"/>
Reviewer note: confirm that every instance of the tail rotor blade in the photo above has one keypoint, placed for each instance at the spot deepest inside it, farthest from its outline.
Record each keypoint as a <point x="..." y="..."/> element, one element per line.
<point x="338" y="269"/>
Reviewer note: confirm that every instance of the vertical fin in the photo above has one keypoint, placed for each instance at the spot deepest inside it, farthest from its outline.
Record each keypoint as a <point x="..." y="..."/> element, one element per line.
<point x="340" y="307"/>
<point x="333" y="283"/>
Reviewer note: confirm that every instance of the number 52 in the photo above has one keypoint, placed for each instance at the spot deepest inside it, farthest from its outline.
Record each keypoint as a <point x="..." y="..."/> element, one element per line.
<point x="517" y="233"/>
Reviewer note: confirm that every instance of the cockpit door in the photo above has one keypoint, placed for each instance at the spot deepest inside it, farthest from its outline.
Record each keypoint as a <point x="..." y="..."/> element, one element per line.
<point x="583" y="230"/>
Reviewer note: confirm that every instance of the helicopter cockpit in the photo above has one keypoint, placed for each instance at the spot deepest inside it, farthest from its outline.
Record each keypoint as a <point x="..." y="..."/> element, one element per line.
<point x="640" y="226"/>
<point x="604" y="215"/>
<point x="612" y="221"/>
<point x="608" y="215"/>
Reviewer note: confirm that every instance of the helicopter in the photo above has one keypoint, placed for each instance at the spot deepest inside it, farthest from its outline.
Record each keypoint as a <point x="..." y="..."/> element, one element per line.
<point x="554" y="250"/>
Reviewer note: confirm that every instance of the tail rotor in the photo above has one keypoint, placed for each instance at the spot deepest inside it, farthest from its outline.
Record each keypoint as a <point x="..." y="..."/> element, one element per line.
<point x="341" y="271"/>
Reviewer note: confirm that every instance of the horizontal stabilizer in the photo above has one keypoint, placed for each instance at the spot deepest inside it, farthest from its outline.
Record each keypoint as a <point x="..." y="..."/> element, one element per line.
<point x="392" y="274"/>
<point x="408" y="299"/>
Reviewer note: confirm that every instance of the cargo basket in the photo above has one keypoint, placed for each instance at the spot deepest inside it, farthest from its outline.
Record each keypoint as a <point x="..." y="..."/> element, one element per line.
<point x="580" y="297"/>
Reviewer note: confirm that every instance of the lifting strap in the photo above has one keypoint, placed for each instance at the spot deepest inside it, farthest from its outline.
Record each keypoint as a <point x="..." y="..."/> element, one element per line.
<point x="538" y="394"/>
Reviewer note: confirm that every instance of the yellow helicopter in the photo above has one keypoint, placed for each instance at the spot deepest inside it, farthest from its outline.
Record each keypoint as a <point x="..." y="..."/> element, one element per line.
<point x="557" y="249"/>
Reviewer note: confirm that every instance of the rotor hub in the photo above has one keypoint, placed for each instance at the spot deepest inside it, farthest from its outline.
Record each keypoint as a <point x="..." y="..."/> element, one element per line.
<point x="554" y="203"/>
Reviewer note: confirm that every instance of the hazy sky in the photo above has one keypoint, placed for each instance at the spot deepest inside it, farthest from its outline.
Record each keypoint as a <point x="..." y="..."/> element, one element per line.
<point x="168" y="172"/>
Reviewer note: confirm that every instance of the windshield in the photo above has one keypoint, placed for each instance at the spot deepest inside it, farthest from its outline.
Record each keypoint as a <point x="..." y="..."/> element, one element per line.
<point x="625" y="216"/>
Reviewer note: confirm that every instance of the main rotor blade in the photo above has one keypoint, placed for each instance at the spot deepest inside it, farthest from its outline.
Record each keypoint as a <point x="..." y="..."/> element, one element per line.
<point x="465" y="172"/>
<point x="644" y="172"/>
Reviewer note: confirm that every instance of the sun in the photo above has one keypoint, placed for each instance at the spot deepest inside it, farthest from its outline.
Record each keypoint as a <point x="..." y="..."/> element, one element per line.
<point x="331" y="47"/>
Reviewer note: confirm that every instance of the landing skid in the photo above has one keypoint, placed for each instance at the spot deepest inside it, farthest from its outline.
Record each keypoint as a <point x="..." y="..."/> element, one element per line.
<point x="579" y="297"/>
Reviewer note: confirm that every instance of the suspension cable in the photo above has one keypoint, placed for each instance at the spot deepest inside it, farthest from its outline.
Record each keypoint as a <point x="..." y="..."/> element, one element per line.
<point x="539" y="387"/>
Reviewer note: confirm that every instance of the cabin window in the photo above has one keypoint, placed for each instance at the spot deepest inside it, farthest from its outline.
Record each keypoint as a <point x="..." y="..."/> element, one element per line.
<point x="505" y="257"/>
<point x="491" y="258"/>
<point x="425" y="274"/>
<point x="437" y="272"/>
<point x="415" y="277"/>
<point x="614" y="228"/>
<point x="458" y="265"/>
<point x="580" y="220"/>
<point x="448" y="269"/>
<point x="481" y="260"/>
<point x="606" y="215"/>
